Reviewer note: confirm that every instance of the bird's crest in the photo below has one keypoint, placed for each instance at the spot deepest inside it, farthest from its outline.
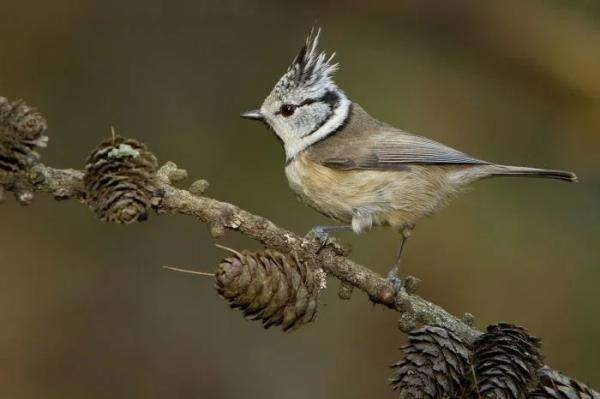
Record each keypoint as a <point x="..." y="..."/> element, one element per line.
<point x="310" y="69"/>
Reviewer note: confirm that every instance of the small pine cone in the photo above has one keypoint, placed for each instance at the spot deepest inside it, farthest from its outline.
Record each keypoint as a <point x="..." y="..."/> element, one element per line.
<point x="554" y="385"/>
<point x="119" y="180"/>
<point x="506" y="360"/>
<point x="436" y="365"/>
<point x="21" y="134"/>
<point x="270" y="286"/>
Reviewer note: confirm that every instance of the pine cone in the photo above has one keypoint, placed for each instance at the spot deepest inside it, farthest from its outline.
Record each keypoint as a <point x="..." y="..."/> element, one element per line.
<point x="506" y="360"/>
<point x="119" y="180"/>
<point x="21" y="133"/>
<point x="269" y="286"/>
<point x="554" y="385"/>
<point x="436" y="365"/>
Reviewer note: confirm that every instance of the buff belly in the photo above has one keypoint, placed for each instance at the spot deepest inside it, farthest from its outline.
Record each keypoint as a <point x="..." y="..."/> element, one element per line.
<point x="369" y="198"/>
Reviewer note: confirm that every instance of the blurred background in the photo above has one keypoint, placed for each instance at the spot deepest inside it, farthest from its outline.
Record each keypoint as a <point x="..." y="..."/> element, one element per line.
<point x="87" y="311"/>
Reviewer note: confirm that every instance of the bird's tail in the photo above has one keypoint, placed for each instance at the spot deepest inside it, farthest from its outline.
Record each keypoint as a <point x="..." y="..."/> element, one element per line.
<point x="503" y="170"/>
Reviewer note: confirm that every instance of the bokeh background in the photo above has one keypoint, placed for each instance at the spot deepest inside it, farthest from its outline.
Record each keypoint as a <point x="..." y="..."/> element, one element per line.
<point x="87" y="311"/>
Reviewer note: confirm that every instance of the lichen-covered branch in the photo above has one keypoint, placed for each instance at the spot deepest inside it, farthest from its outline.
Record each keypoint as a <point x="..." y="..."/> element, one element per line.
<point x="68" y="183"/>
<point x="65" y="184"/>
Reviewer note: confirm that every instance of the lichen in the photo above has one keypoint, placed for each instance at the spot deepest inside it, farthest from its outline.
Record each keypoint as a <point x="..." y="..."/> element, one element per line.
<point x="123" y="150"/>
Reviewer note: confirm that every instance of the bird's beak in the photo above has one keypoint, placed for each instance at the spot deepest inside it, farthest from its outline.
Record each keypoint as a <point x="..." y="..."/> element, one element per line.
<point x="254" y="114"/>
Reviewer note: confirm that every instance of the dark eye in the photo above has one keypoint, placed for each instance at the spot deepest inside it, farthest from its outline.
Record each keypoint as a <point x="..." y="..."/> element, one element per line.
<point x="287" y="110"/>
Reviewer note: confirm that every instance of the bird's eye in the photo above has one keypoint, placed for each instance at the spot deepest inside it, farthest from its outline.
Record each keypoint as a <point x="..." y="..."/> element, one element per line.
<point x="287" y="110"/>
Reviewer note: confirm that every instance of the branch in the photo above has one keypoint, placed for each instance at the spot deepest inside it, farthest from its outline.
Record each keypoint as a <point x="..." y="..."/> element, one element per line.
<point x="68" y="183"/>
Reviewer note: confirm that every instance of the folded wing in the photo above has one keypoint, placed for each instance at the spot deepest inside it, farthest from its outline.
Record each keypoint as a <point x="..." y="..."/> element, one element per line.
<point x="388" y="148"/>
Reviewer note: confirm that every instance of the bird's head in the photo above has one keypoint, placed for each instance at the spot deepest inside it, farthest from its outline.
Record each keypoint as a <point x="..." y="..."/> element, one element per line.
<point x="305" y="106"/>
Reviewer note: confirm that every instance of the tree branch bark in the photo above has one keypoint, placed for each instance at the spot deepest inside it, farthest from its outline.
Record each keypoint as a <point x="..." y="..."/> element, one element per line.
<point x="68" y="183"/>
<point x="414" y="310"/>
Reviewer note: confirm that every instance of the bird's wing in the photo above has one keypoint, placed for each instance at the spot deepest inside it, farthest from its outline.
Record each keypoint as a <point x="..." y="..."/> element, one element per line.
<point x="387" y="148"/>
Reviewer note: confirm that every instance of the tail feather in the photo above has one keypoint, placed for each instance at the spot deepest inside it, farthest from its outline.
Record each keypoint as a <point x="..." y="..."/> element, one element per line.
<point x="503" y="170"/>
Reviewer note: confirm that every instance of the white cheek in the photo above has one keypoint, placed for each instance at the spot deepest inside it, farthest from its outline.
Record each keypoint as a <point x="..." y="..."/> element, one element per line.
<point x="304" y="123"/>
<point x="283" y="130"/>
<point x="297" y="134"/>
<point x="334" y="121"/>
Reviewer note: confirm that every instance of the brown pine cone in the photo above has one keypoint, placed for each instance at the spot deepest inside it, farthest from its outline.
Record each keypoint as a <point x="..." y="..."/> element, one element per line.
<point x="436" y="365"/>
<point x="21" y="134"/>
<point x="272" y="287"/>
<point x="554" y="385"/>
<point x="506" y="360"/>
<point x="119" y="180"/>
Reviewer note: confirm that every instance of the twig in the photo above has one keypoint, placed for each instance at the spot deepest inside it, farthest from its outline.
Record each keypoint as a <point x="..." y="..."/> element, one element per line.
<point x="178" y="269"/>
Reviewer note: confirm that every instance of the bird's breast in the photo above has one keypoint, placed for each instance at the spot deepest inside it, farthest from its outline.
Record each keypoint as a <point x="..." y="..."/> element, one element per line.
<point x="368" y="198"/>
<point x="342" y="194"/>
<point x="319" y="187"/>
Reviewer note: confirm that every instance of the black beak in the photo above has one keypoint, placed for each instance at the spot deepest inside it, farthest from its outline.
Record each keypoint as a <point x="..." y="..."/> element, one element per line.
<point x="254" y="114"/>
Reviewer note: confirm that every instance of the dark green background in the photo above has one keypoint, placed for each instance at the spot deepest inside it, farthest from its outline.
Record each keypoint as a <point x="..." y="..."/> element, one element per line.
<point x="86" y="310"/>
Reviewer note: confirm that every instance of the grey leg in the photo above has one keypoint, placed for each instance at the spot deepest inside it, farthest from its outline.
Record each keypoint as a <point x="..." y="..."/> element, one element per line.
<point x="393" y="273"/>
<point x="322" y="232"/>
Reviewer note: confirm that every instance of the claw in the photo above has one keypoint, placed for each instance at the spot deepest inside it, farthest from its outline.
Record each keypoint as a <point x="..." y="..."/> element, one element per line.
<point x="320" y="234"/>
<point x="396" y="281"/>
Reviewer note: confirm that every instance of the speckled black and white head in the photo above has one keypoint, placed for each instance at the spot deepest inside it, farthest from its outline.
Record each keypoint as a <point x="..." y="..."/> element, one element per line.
<point x="305" y="106"/>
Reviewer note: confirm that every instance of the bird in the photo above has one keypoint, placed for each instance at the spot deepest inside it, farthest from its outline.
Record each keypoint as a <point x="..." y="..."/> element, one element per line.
<point x="357" y="170"/>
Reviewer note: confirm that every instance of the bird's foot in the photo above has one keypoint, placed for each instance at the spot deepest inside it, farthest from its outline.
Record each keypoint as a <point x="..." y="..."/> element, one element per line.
<point x="396" y="281"/>
<point x="407" y="285"/>
<point x="321" y="234"/>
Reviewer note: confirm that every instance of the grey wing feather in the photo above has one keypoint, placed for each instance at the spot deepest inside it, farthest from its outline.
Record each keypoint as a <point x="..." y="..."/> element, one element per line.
<point x="394" y="150"/>
<point x="365" y="143"/>
<point x="405" y="148"/>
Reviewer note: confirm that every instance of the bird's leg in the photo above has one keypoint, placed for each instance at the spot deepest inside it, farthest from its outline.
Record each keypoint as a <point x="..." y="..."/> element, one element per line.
<point x="322" y="232"/>
<point x="393" y="273"/>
